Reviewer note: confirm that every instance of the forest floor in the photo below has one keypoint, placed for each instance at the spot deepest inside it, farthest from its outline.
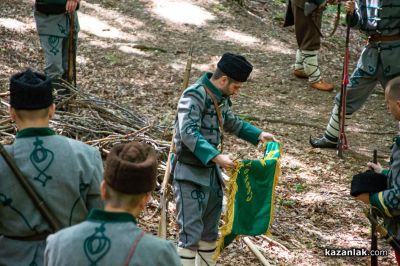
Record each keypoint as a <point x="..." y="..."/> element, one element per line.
<point x="134" y="53"/>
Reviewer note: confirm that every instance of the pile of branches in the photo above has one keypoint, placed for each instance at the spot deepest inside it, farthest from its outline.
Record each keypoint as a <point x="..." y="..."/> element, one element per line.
<point x="93" y="120"/>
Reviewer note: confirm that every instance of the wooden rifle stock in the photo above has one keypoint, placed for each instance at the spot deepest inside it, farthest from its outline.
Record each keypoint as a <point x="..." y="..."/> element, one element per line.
<point x="162" y="225"/>
<point x="51" y="219"/>
<point x="71" y="73"/>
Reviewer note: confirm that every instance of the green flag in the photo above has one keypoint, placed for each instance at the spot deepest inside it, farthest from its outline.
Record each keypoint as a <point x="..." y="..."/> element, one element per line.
<point x="250" y="194"/>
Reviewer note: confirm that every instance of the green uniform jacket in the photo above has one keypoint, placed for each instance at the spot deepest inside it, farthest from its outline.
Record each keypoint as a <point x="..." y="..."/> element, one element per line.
<point x="66" y="173"/>
<point x="105" y="239"/>
<point x="197" y="129"/>
<point x="388" y="201"/>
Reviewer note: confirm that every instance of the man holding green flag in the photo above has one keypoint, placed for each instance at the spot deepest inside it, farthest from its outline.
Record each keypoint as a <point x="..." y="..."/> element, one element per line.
<point x="204" y="112"/>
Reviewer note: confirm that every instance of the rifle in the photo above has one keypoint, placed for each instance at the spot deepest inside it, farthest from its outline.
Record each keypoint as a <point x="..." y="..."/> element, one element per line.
<point x="51" y="219"/>
<point x="342" y="145"/>
<point x="162" y="225"/>
<point x="382" y="230"/>
<point x="71" y="73"/>
<point x="374" y="239"/>
<point x="310" y="7"/>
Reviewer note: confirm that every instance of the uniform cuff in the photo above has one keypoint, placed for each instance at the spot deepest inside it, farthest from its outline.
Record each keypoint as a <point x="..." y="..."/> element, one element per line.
<point x="205" y="152"/>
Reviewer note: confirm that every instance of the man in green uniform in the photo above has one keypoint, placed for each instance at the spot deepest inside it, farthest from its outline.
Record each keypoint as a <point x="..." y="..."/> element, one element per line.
<point x="111" y="237"/>
<point x="204" y="112"/>
<point x="66" y="173"/>
<point x="386" y="202"/>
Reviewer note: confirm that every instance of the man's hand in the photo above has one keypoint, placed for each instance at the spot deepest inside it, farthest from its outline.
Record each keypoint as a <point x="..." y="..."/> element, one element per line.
<point x="350" y="6"/>
<point x="224" y="161"/>
<point x="264" y="137"/>
<point x="71" y="5"/>
<point x="376" y="167"/>
<point x="364" y="197"/>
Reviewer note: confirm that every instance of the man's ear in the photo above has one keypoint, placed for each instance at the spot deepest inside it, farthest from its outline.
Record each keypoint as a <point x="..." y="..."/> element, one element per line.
<point x="103" y="191"/>
<point x="224" y="80"/>
<point x="145" y="200"/>
<point x="52" y="110"/>
<point x="12" y="113"/>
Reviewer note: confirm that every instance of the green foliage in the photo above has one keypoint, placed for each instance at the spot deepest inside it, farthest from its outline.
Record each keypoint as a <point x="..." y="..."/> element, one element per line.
<point x="112" y="58"/>
<point x="299" y="187"/>
<point x="218" y="7"/>
<point x="287" y="203"/>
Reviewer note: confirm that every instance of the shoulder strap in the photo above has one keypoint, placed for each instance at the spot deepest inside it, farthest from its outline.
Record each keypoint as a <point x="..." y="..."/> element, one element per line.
<point x="133" y="248"/>
<point x="218" y="110"/>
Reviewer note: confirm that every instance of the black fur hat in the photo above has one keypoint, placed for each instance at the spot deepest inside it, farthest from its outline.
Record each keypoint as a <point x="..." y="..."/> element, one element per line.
<point x="235" y="66"/>
<point x="367" y="182"/>
<point x="30" y="91"/>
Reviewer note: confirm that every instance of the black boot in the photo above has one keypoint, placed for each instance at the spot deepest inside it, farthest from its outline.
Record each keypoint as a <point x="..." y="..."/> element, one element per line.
<point x="323" y="143"/>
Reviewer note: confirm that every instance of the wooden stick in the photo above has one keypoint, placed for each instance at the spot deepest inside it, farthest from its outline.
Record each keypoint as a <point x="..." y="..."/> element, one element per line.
<point x="255" y="250"/>
<point x="162" y="225"/>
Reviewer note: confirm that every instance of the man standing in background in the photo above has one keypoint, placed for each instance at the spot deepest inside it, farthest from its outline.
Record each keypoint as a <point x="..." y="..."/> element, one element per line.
<point x="306" y="16"/>
<point x="53" y="25"/>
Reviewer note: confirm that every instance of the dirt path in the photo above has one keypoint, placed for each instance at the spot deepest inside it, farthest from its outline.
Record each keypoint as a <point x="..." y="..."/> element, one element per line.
<point x="134" y="52"/>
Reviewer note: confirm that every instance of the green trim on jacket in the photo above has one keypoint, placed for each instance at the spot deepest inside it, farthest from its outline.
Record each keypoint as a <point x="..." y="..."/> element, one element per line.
<point x="111" y="217"/>
<point x="204" y="151"/>
<point x="250" y="133"/>
<point x="205" y="80"/>
<point x="35" y="131"/>
<point x="376" y="199"/>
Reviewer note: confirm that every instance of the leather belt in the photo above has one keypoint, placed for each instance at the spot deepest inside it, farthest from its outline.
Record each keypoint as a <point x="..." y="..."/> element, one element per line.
<point x="383" y="38"/>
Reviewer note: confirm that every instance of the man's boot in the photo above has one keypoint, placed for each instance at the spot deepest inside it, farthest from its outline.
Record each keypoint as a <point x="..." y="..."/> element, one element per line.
<point x="321" y="85"/>
<point x="187" y="256"/>
<point x="205" y="254"/>
<point x="298" y="66"/>
<point x="323" y="143"/>
<point x="311" y="68"/>
<point x="331" y="136"/>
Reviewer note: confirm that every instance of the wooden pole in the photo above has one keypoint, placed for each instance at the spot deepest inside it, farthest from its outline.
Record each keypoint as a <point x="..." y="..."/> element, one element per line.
<point x="162" y="225"/>
<point x="255" y="250"/>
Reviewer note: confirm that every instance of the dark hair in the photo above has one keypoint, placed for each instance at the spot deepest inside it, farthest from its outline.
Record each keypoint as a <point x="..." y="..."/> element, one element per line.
<point x="121" y="200"/>
<point x="219" y="74"/>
